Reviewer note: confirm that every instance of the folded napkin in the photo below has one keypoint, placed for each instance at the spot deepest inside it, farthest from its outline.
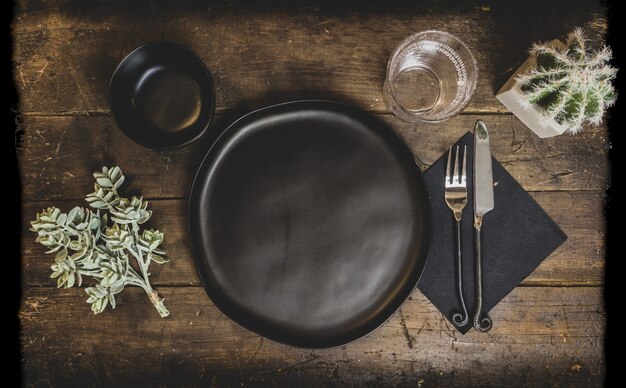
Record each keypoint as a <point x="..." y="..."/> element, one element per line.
<point x="517" y="235"/>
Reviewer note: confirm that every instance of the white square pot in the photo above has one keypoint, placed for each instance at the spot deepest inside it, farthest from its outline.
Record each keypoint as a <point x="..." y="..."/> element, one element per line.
<point x="512" y="96"/>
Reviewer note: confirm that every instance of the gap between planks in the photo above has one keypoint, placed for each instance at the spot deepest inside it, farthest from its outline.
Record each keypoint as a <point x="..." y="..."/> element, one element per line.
<point x="531" y="284"/>
<point x="194" y="286"/>
<point x="224" y="111"/>
<point x="186" y="198"/>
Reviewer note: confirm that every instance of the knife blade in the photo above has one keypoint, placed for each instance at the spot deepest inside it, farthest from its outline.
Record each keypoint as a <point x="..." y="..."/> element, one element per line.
<point x="483" y="203"/>
<point x="483" y="177"/>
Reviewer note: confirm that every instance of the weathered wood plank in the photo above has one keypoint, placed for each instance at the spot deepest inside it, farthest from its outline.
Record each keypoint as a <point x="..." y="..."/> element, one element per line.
<point x="580" y="261"/>
<point x="540" y="336"/>
<point x="260" y="53"/>
<point x="58" y="154"/>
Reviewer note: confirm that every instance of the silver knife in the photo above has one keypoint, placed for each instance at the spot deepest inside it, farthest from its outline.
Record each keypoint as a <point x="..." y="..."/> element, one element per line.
<point x="483" y="203"/>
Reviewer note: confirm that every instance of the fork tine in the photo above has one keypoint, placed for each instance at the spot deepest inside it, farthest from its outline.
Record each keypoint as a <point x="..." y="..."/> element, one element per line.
<point x="455" y="176"/>
<point x="448" y="167"/>
<point x="464" y="175"/>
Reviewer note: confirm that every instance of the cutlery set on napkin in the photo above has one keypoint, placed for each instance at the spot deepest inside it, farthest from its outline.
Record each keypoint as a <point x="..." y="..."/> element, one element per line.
<point x="469" y="273"/>
<point x="456" y="199"/>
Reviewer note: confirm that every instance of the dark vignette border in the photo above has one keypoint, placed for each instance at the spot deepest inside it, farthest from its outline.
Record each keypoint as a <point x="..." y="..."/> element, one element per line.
<point x="12" y="197"/>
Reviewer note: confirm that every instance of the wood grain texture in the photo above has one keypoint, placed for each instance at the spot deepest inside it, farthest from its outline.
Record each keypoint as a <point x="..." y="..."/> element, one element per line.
<point x="548" y="335"/>
<point x="58" y="154"/>
<point x="579" y="261"/>
<point x="548" y="332"/>
<point x="260" y="52"/>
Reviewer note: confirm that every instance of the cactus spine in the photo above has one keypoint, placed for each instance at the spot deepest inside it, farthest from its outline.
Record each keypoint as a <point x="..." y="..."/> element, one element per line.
<point x="573" y="86"/>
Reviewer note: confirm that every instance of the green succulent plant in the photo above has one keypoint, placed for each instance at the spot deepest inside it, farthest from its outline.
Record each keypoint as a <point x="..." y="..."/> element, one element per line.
<point x="573" y="85"/>
<point x="85" y="244"/>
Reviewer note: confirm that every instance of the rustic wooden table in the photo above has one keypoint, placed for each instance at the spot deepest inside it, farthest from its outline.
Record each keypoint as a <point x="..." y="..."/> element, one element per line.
<point x="547" y="331"/>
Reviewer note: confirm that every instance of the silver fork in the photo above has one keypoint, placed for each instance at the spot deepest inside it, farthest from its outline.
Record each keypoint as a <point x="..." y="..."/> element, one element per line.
<point x="456" y="198"/>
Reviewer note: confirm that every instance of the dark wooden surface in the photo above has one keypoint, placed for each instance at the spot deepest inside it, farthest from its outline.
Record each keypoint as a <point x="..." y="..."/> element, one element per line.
<point x="548" y="331"/>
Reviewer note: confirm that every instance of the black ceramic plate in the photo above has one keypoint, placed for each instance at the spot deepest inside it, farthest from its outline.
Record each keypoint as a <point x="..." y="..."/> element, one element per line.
<point x="162" y="96"/>
<point x="310" y="223"/>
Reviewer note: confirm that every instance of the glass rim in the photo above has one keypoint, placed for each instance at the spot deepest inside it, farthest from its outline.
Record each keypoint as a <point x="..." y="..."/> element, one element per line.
<point x="473" y="79"/>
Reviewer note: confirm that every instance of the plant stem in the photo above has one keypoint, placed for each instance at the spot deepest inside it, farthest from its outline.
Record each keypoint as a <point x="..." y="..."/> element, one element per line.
<point x="134" y="278"/>
<point x="153" y="296"/>
<point x="157" y="301"/>
<point x="90" y="273"/>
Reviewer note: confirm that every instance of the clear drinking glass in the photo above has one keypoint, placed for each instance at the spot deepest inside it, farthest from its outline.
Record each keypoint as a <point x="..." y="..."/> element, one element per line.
<point x="431" y="76"/>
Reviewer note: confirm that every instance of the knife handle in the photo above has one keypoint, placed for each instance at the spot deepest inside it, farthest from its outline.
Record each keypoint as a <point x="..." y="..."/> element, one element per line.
<point x="484" y="323"/>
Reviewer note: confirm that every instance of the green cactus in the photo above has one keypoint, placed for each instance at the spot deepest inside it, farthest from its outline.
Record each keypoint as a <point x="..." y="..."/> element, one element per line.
<point x="572" y="85"/>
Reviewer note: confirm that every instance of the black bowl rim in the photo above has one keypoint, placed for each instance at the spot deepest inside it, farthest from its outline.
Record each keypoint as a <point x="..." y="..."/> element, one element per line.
<point x="211" y="105"/>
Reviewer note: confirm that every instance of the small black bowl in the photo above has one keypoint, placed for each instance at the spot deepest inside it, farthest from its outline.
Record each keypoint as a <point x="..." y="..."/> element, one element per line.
<point x="162" y="96"/>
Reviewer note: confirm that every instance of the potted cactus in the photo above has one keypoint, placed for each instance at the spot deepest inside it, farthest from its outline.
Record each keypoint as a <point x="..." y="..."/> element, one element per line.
<point x="561" y="87"/>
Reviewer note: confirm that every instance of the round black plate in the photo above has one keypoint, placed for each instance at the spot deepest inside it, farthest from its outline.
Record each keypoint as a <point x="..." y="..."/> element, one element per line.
<point x="310" y="223"/>
<point x="162" y="96"/>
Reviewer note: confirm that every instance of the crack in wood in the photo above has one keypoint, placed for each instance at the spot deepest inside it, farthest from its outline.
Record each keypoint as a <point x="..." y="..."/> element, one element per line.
<point x="405" y="330"/>
<point x="255" y="352"/>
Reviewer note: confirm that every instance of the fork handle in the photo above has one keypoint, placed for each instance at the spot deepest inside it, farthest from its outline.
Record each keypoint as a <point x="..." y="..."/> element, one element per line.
<point x="459" y="319"/>
<point x="481" y="323"/>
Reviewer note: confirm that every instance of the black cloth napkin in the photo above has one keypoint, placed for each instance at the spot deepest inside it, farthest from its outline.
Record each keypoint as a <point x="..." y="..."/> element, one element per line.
<point x="517" y="235"/>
